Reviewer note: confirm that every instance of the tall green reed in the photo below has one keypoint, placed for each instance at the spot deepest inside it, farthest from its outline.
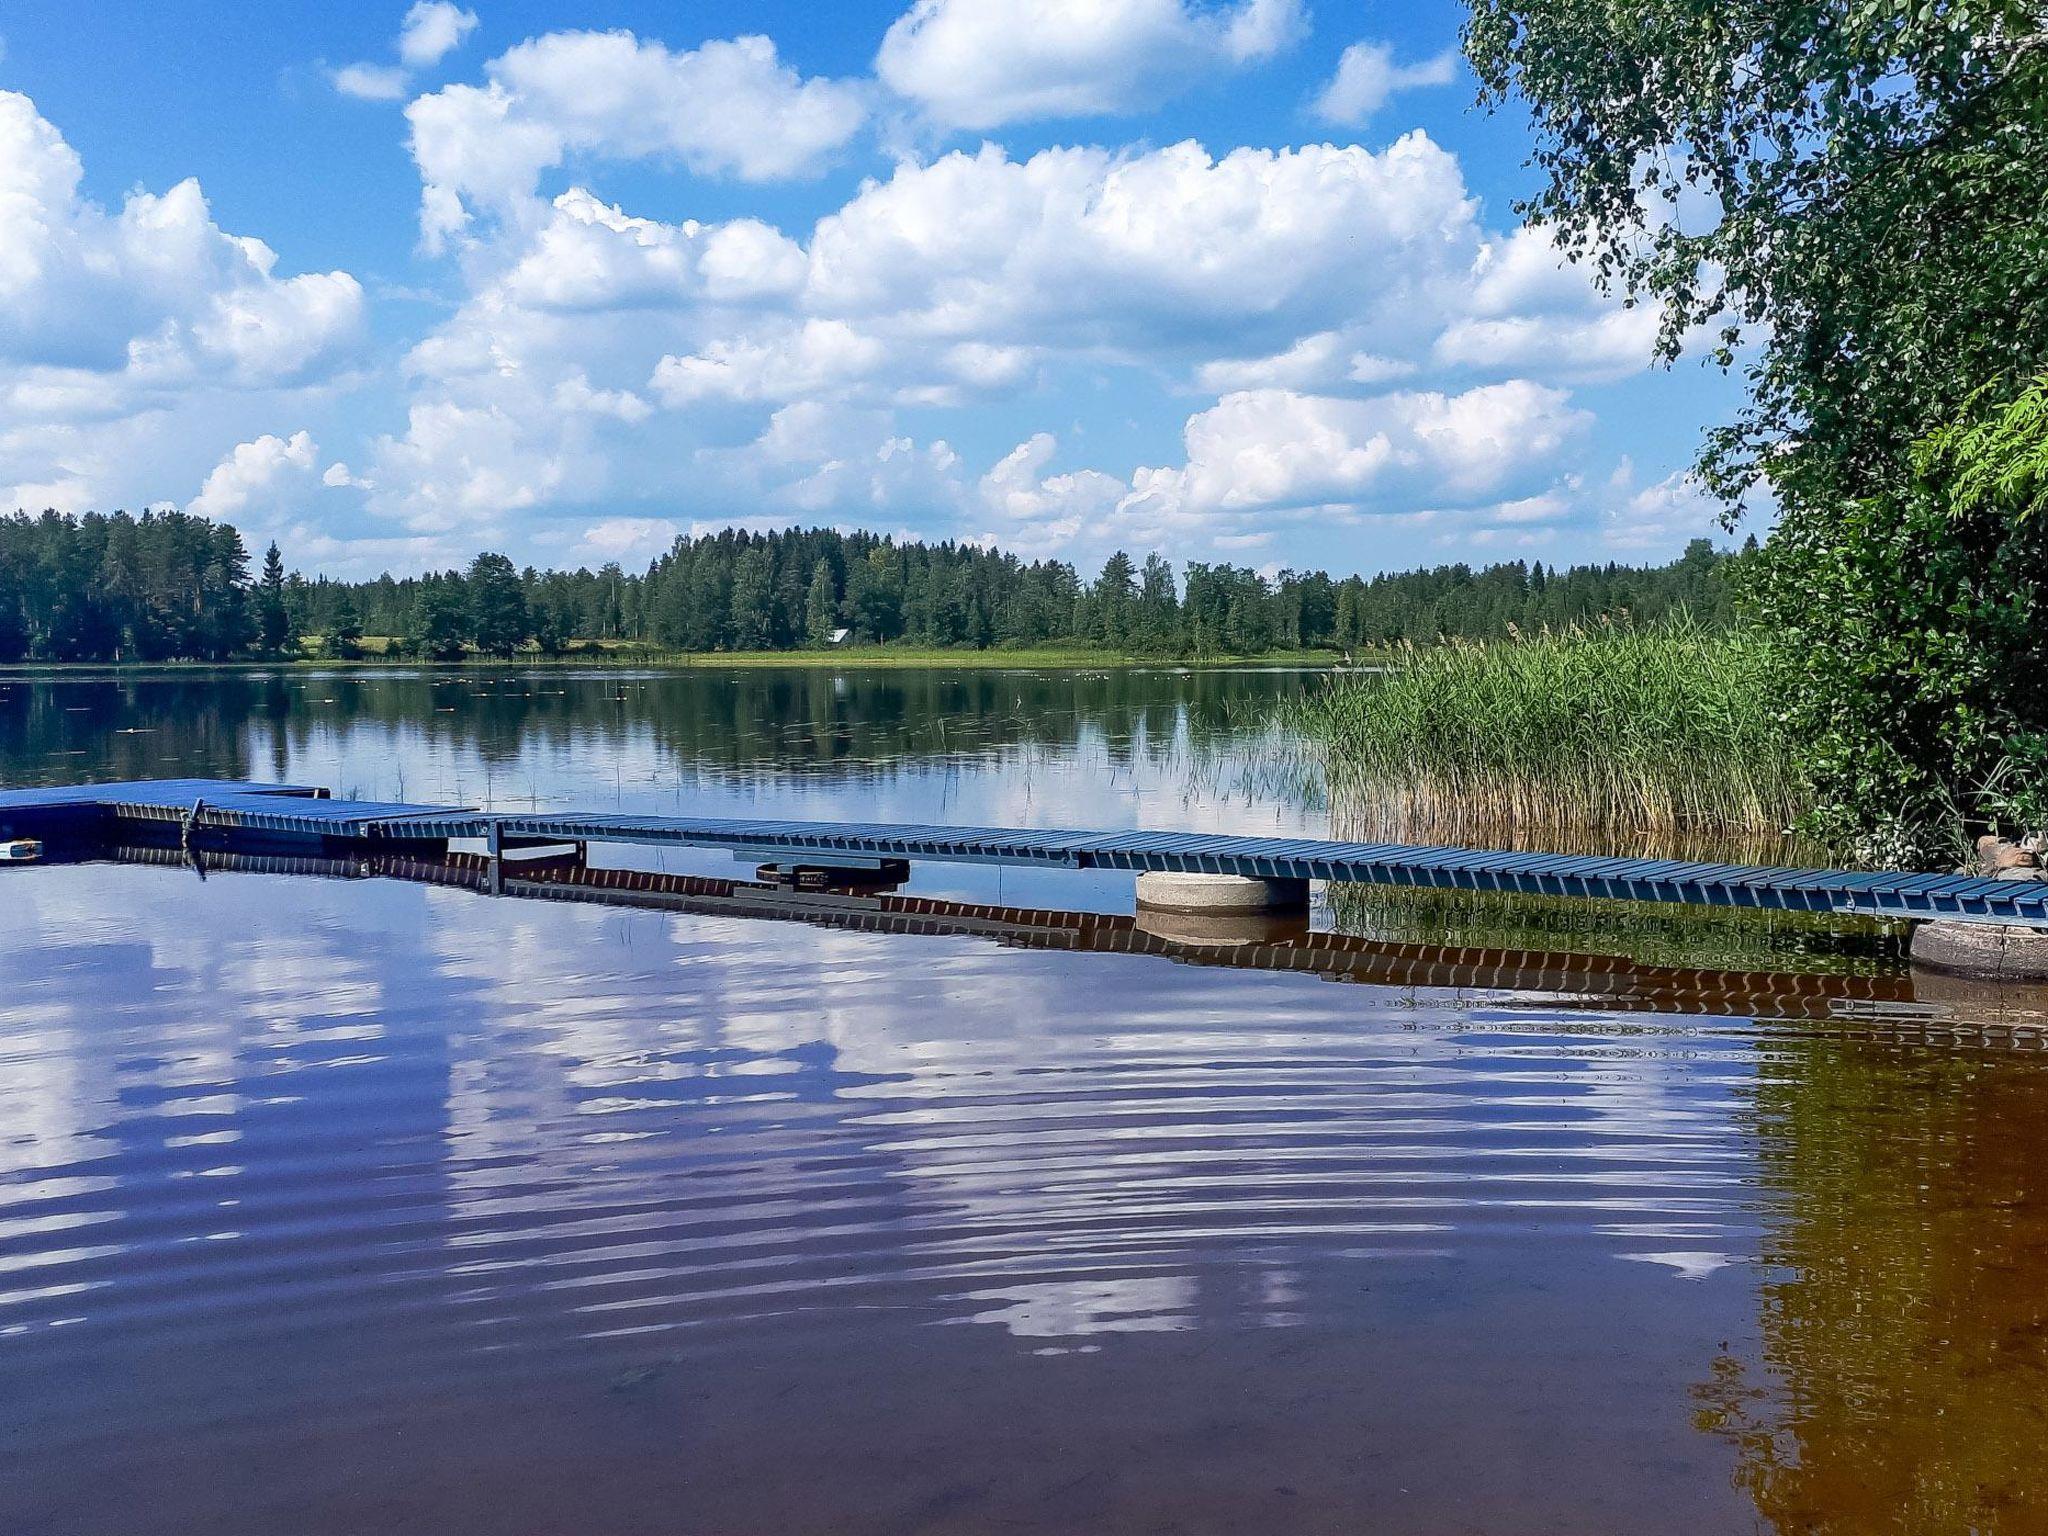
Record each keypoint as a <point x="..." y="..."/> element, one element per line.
<point x="1610" y="730"/>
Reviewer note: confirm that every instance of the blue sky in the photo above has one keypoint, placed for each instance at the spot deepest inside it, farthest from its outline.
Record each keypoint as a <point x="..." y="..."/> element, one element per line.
<point x="391" y="283"/>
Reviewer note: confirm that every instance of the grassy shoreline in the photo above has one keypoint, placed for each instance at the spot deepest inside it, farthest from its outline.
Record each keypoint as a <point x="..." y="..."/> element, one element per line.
<point x="624" y="659"/>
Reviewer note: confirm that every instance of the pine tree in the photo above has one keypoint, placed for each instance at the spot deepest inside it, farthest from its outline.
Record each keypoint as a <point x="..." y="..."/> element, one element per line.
<point x="1158" y="609"/>
<point x="1116" y="590"/>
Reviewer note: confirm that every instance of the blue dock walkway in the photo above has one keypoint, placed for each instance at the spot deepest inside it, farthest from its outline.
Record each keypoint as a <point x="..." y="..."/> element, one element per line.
<point x="292" y="812"/>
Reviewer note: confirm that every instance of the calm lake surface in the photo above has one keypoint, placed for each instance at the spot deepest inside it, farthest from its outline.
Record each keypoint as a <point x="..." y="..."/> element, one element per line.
<point x="335" y="1205"/>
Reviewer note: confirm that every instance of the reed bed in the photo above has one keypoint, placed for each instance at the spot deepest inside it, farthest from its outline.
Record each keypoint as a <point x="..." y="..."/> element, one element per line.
<point x="1612" y="733"/>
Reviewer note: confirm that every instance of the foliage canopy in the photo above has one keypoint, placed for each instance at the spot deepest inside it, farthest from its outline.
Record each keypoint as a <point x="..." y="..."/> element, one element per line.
<point x="1849" y="200"/>
<point x="1856" y="185"/>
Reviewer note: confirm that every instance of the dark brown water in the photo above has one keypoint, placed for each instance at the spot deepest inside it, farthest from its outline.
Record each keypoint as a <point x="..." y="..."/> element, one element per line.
<point x="364" y="1205"/>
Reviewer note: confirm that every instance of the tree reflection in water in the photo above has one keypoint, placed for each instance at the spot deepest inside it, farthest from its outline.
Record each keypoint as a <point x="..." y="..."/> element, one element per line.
<point x="1903" y="1385"/>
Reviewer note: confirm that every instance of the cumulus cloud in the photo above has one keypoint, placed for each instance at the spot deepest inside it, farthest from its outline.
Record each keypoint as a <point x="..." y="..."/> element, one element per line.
<point x="967" y="271"/>
<point x="1656" y="516"/>
<point x="979" y="64"/>
<point x="724" y="108"/>
<point x="271" y="468"/>
<point x="1367" y="79"/>
<point x="1100" y="244"/>
<point x="154" y="293"/>
<point x="1275" y="449"/>
<point x="554" y="357"/>
<point x="628" y="541"/>
<point x="70" y="493"/>
<point x="1035" y="512"/>
<point x="465" y="468"/>
<point x="812" y="358"/>
<point x="946" y="282"/>
<point x="1487" y="460"/>
<point x="814" y="458"/>
<point x="1529" y="309"/>
<point x="960" y="274"/>
<point x="1297" y="285"/>
<point x="432" y="30"/>
<point x="128" y="336"/>
<point x="1313" y="362"/>
<point x="768" y="372"/>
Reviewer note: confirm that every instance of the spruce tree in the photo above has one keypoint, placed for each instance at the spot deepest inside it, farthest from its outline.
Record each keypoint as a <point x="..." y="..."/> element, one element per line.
<point x="821" y="606"/>
<point x="273" y="619"/>
<point x="345" y="633"/>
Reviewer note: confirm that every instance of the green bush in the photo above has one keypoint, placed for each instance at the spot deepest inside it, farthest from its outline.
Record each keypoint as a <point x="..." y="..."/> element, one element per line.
<point x="1913" y="651"/>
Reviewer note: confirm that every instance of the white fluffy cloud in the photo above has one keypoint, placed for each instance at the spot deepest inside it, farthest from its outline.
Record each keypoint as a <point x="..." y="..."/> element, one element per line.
<point x="1301" y="269"/>
<point x="814" y="459"/>
<point x="1488" y="459"/>
<point x="128" y="335"/>
<point x="959" y="274"/>
<point x="153" y="294"/>
<point x="432" y="30"/>
<point x="1367" y="79"/>
<point x="1036" y="512"/>
<point x="591" y="256"/>
<point x="1658" y="516"/>
<point x="271" y="467"/>
<point x="724" y="108"/>
<point x="629" y="541"/>
<point x="465" y="468"/>
<point x="979" y="64"/>
<point x="1315" y="361"/>
<point x="1274" y="449"/>
<point x="1098" y="245"/>
<point x="1299" y="285"/>
<point x="1528" y="310"/>
<point x="813" y="358"/>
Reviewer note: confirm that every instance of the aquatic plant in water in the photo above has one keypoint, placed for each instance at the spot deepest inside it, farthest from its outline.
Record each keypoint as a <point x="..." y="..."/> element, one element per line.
<point x="1615" y="731"/>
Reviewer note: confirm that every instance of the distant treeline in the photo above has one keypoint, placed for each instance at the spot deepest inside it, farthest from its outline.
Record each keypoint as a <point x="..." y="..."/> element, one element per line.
<point x="169" y="586"/>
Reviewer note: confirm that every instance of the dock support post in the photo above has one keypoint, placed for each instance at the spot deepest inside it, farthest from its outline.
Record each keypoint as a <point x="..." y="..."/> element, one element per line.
<point x="1988" y="951"/>
<point x="494" y="841"/>
<point x="1217" y="895"/>
<point x="190" y="825"/>
<point x="1991" y="951"/>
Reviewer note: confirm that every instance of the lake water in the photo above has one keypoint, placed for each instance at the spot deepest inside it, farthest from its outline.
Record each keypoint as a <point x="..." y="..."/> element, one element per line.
<point x="342" y="1205"/>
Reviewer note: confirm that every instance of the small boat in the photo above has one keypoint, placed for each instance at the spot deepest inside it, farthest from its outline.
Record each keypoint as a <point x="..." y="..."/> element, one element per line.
<point x="20" y="850"/>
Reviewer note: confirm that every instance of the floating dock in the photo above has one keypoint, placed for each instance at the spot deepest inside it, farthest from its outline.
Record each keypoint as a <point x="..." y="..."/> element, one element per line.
<point x="230" y="814"/>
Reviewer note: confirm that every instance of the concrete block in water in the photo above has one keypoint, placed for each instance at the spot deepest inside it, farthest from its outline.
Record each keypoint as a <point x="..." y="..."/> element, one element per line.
<point x="1990" y="951"/>
<point x="1996" y="951"/>
<point x="1220" y="894"/>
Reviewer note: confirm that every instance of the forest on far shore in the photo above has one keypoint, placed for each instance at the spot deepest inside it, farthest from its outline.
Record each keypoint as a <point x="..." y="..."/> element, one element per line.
<point x="168" y="586"/>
